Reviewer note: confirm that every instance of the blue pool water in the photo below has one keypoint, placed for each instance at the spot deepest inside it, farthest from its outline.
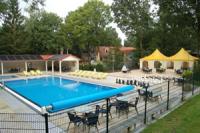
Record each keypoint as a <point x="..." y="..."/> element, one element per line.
<point x="58" y="92"/>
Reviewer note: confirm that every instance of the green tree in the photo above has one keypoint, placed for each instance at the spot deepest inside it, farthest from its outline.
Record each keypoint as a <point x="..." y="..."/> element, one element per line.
<point x="109" y="37"/>
<point x="85" y="27"/>
<point x="178" y="25"/>
<point x="12" y="34"/>
<point x="43" y="32"/>
<point x="134" y="18"/>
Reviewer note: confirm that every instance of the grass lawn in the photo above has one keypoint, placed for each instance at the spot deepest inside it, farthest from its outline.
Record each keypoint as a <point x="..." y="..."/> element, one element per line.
<point x="185" y="119"/>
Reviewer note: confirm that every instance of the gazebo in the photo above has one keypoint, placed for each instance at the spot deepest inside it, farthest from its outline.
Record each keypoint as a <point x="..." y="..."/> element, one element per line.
<point x="151" y="61"/>
<point x="182" y="60"/>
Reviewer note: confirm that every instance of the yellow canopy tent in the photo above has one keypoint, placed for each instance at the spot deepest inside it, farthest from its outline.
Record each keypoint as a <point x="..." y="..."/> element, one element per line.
<point x="156" y="55"/>
<point x="182" y="55"/>
<point x="152" y="60"/>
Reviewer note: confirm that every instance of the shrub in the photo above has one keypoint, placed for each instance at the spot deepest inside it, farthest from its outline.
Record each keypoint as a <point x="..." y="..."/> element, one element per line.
<point x="187" y="74"/>
<point x="99" y="67"/>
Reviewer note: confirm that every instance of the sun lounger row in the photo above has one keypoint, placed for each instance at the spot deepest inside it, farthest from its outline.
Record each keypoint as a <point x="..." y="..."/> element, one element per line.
<point x="89" y="74"/>
<point x="130" y="82"/>
<point x="32" y="73"/>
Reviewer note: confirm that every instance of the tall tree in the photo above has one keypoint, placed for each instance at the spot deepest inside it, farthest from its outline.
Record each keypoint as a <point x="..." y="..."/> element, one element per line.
<point x="43" y="31"/>
<point x="85" y="26"/>
<point x="109" y="37"/>
<point x="179" y="25"/>
<point x="12" y="35"/>
<point x="133" y="17"/>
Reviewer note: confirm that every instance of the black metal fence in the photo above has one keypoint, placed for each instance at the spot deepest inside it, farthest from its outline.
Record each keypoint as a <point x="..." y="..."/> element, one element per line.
<point x="113" y="116"/>
<point x="21" y="123"/>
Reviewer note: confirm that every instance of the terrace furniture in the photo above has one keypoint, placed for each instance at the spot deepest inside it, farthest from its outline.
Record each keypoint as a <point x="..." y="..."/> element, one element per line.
<point x="121" y="107"/>
<point x="120" y="81"/>
<point x="38" y="72"/>
<point x="142" y="93"/>
<point x="102" y="110"/>
<point x="146" y="70"/>
<point x="128" y="82"/>
<point x="33" y="73"/>
<point x="131" y="82"/>
<point x="134" y="104"/>
<point x="91" y="120"/>
<point x="123" y="82"/>
<point x="76" y="120"/>
<point x="160" y="70"/>
<point x="124" y="69"/>
<point x="179" y="71"/>
<point x="25" y="73"/>
<point x="117" y="80"/>
<point x="152" y="93"/>
<point x="14" y="70"/>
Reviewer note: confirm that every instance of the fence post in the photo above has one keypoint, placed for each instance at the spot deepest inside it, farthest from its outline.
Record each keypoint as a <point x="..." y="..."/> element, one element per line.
<point x="182" y="98"/>
<point x="168" y="95"/>
<point x="145" y="106"/>
<point x="107" y="116"/>
<point x="46" y="122"/>
<point x="192" y="83"/>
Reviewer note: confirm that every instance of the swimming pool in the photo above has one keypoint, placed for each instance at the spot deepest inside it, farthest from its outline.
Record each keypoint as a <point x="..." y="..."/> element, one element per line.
<point x="58" y="92"/>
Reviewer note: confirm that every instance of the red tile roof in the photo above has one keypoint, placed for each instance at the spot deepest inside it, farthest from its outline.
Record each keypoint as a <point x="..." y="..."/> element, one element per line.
<point x="127" y="49"/>
<point x="46" y="57"/>
<point x="57" y="57"/>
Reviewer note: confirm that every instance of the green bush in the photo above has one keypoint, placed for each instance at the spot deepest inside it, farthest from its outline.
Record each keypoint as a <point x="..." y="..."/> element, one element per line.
<point x="187" y="74"/>
<point x="99" y="67"/>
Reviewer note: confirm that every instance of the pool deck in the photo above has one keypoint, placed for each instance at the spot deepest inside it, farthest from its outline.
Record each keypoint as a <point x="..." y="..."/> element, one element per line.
<point x="10" y="104"/>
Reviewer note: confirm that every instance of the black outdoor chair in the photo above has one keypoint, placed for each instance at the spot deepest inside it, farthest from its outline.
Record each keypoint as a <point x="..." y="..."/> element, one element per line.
<point x="74" y="119"/>
<point x="135" y="82"/>
<point x="142" y="93"/>
<point x="117" y="80"/>
<point x="121" y="107"/>
<point x="123" y="82"/>
<point x="91" y="120"/>
<point x="103" y="109"/>
<point x="128" y="82"/>
<point x="131" y="104"/>
<point x="131" y="82"/>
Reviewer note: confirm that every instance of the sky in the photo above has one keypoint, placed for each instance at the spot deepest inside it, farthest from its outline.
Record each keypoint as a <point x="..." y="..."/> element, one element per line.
<point x="62" y="7"/>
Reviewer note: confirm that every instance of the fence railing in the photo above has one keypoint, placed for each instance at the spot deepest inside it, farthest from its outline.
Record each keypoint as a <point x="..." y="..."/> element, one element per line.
<point x="153" y="102"/>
